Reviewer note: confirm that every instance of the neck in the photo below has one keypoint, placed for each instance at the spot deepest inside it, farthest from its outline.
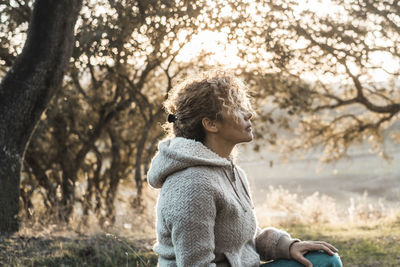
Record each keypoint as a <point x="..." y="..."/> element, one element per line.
<point x="219" y="147"/>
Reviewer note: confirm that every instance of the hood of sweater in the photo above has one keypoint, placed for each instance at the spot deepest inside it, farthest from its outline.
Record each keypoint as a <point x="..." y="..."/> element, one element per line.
<point x="180" y="153"/>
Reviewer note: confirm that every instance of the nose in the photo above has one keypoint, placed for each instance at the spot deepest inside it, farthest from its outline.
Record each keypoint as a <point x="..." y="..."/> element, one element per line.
<point x="248" y="115"/>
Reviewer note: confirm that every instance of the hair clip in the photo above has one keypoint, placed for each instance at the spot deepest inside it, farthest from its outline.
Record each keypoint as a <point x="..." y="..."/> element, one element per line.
<point x="172" y="118"/>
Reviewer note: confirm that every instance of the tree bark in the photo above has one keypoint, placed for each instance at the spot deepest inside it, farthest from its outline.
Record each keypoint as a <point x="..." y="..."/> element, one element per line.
<point x="26" y="90"/>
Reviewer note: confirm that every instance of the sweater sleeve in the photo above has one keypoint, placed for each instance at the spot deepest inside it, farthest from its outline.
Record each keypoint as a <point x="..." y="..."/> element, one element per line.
<point x="191" y="219"/>
<point x="272" y="244"/>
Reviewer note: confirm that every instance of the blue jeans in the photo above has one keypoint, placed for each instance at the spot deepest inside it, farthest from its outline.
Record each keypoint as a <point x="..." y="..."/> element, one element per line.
<point x="318" y="259"/>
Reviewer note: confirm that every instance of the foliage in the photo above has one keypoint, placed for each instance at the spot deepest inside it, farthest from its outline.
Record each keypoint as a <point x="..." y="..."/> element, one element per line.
<point x="102" y="127"/>
<point x="14" y="20"/>
<point x="314" y="77"/>
<point x="333" y="69"/>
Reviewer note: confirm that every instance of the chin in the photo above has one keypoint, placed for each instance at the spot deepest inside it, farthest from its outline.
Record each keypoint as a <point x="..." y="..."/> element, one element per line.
<point x="249" y="139"/>
<point x="251" y="136"/>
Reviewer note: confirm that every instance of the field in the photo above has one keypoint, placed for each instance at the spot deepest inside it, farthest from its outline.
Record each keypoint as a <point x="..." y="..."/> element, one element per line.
<point x="361" y="175"/>
<point x="359" y="245"/>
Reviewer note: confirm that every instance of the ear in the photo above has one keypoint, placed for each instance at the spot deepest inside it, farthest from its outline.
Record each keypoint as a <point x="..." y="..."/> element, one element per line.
<point x="209" y="125"/>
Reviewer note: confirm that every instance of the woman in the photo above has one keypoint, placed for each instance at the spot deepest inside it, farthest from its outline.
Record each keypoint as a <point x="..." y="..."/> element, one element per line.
<point x="205" y="213"/>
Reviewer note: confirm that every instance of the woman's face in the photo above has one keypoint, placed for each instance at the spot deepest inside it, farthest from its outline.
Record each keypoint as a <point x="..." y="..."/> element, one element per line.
<point x="235" y="128"/>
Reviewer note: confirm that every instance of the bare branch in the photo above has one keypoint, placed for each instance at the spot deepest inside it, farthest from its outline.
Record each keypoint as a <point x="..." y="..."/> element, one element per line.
<point x="386" y="98"/>
<point x="77" y="83"/>
<point x="393" y="108"/>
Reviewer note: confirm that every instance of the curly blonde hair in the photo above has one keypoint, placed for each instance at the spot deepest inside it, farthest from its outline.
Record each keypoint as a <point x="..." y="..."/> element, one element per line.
<point x="197" y="98"/>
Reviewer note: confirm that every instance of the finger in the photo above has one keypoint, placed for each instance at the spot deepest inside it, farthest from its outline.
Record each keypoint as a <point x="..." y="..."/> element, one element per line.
<point x="324" y="248"/>
<point x="300" y="258"/>
<point x="328" y="245"/>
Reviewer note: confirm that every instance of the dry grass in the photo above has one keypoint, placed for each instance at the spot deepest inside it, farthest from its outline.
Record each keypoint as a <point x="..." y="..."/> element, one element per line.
<point x="361" y="245"/>
<point x="70" y="249"/>
<point x="281" y="206"/>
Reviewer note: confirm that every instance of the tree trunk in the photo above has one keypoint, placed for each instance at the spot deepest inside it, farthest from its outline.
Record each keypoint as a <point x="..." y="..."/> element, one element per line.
<point x="114" y="176"/>
<point x="138" y="163"/>
<point x="26" y="90"/>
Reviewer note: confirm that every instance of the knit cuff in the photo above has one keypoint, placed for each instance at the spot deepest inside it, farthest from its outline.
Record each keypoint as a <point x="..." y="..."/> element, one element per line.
<point x="283" y="247"/>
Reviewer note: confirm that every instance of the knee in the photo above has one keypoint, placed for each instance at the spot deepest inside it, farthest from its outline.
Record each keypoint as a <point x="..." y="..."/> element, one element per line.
<point x="320" y="258"/>
<point x="334" y="261"/>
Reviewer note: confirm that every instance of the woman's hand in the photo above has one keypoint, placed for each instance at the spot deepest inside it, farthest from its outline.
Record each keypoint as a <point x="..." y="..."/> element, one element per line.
<point x="298" y="249"/>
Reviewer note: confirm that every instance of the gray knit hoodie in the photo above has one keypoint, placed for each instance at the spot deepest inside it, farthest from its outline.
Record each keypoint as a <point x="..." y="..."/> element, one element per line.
<point x="204" y="212"/>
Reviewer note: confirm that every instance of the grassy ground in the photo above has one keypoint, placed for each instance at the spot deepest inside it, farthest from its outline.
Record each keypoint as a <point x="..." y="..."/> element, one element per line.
<point x="366" y="246"/>
<point x="376" y="245"/>
<point x="96" y="250"/>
